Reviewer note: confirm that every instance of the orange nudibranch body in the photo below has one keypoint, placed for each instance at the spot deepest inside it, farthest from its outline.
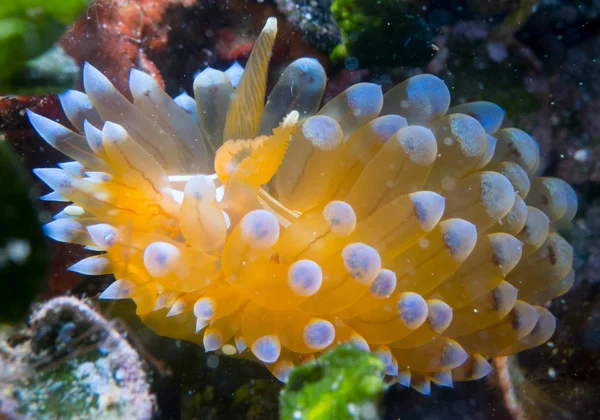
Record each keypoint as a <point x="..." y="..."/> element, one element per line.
<point x="280" y="229"/>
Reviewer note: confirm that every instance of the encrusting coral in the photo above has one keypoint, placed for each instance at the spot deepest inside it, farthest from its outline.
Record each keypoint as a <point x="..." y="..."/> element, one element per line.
<point x="279" y="230"/>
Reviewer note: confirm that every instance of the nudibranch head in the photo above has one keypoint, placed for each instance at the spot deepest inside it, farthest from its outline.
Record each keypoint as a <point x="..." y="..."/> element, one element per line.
<point x="279" y="229"/>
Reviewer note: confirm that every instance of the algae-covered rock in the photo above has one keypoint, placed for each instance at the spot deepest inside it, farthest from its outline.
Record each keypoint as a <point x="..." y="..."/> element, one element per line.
<point x="345" y="383"/>
<point x="72" y="364"/>
<point x="383" y="32"/>
<point x="28" y="28"/>
<point x="53" y="71"/>
<point x="23" y="253"/>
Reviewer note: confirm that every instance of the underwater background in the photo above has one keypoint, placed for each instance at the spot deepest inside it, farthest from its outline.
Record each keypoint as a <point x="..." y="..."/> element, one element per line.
<point x="66" y="354"/>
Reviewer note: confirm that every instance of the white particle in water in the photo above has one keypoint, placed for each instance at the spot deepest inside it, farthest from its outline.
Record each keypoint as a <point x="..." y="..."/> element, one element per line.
<point x="352" y="409"/>
<point x="581" y="155"/>
<point x="18" y="250"/>
<point x="212" y="361"/>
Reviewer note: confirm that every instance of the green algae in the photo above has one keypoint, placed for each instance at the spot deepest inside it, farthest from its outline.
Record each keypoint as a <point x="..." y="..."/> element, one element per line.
<point x="345" y="383"/>
<point x="374" y="30"/>
<point x="28" y="30"/>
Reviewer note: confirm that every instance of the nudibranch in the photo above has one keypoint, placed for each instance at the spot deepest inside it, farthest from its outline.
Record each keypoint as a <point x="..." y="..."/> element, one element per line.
<point x="278" y="229"/>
